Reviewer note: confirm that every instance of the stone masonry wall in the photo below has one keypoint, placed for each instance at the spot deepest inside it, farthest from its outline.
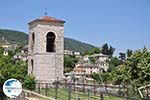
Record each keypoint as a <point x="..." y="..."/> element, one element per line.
<point x="47" y="66"/>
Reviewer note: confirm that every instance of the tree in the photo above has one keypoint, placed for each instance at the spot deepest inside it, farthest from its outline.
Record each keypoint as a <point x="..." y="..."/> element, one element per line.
<point x="29" y="82"/>
<point x="113" y="62"/>
<point x="69" y="63"/>
<point x="122" y="57"/>
<point x="135" y="70"/>
<point x="107" y="50"/>
<point x="92" y="60"/>
<point x="1" y="51"/>
<point x="9" y="68"/>
<point x="102" y="77"/>
<point x="121" y="74"/>
<point x="129" y="52"/>
<point x="111" y="51"/>
<point x="96" y="77"/>
<point x="139" y="64"/>
<point x="93" y="51"/>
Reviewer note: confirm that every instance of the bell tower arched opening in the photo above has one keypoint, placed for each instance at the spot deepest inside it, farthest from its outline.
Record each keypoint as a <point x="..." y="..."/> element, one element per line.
<point x="33" y="41"/>
<point x="50" y="42"/>
<point x="32" y="66"/>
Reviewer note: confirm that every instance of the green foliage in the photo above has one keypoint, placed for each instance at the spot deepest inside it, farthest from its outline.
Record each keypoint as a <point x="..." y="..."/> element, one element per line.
<point x="135" y="70"/>
<point x="96" y="77"/>
<point x="29" y="82"/>
<point x="121" y="74"/>
<point x="1" y="51"/>
<point x="14" y="36"/>
<point x="18" y="49"/>
<point x="139" y="67"/>
<point x="122" y="57"/>
<point x="67" y="69"/>
<point x="102" y="77"/>
<point x="9" y="68"/>
<point x="92" y="60"/>
<point x="113" y="62"/>
<point x="106" y="77"/>
<point x="93" y="51"/>
<point x="74" y="45"/>
<point x="107" y="50"/>
<point x="129" y="52"/>
<point x="69" y="63"/>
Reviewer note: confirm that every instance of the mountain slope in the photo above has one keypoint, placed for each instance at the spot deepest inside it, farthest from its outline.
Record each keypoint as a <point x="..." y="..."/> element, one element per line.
<point x="22" y="38"/>
<point x="75" y="45"/>
<point x="13" y="36"/>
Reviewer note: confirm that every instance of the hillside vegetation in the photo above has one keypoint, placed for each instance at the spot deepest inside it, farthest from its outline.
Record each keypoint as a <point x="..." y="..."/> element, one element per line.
<point x="13" y="36"/>
<point x="71" y="44"/>
<point x="18" y="37"/>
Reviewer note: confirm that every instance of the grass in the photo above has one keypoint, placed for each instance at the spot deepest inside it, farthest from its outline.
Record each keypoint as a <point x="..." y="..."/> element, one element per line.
<point x="62" y="94"/>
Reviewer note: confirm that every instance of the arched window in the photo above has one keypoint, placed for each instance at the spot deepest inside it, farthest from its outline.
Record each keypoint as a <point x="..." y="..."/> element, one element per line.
<point x="50" y="42"/>
<point x="32" y="66"/>
<point x="32" y="43"/>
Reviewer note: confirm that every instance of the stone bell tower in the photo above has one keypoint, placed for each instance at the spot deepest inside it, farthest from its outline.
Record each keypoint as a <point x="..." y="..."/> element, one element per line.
<point x="46" y="45"/>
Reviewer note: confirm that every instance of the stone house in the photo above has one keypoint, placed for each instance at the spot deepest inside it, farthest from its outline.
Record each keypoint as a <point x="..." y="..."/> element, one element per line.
<point x="86" y="69"/>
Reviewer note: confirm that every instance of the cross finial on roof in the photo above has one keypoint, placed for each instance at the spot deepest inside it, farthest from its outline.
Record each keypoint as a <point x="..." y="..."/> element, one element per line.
<point x="45" y="11"/>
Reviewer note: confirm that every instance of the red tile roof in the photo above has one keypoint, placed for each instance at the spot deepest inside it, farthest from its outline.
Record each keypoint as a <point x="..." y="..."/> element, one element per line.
<point x="47" y="19"/>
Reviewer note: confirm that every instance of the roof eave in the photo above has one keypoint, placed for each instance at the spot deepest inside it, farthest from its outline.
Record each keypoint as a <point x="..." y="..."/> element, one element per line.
<point x="47" y="21"/>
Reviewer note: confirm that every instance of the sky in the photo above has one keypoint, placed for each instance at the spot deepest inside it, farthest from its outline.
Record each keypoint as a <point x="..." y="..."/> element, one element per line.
<point x="123" y="24"/>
